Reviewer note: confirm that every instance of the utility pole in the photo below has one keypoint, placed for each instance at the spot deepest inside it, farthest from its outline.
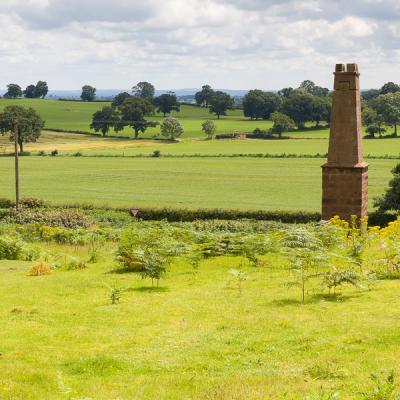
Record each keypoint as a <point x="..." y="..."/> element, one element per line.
<point x="15" y="126"/>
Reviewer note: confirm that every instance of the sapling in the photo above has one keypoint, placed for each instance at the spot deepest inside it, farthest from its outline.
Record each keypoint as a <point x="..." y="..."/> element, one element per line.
<point x="115" y="294"/>
<point x="240" y="278"/>
<point x="303" y="250"/>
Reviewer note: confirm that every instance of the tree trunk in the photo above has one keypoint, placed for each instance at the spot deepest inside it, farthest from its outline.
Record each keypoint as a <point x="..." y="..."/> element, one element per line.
<point x="136" y="133"/>
<point x="21" y="146"/>
<point x="395" y="129"/>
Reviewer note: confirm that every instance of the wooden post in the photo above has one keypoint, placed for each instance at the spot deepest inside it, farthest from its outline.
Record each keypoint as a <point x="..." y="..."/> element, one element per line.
<point x="15" y="126"/>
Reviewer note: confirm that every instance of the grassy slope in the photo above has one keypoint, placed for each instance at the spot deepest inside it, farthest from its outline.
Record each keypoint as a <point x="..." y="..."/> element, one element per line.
<point x="194" y="338"/>
<point x="271" y="184"/>
<point x="72" y="115"/>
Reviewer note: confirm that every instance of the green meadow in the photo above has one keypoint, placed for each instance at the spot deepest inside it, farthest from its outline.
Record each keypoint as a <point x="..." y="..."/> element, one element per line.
<point x="242" y="183"/>
<point x="77" y="116"/>
<point x="201" y="334"/>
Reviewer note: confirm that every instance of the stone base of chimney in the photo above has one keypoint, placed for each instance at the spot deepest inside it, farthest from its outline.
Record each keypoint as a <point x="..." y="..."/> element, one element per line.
<point x="345" y="191"/>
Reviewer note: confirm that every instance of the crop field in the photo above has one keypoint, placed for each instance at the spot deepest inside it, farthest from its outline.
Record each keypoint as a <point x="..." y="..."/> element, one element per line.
<point x="69" y="143"/>
<point x="242" y="183"/>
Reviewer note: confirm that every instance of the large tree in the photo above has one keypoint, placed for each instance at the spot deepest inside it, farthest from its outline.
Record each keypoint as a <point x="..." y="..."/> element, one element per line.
<point x="145" y="90"/>
<point x="120" y="98"/>
<point x="88" y="93"/>
<point x="133" y="113"/>
<point x="220" y="102"/>
<point x="321" y="110"/>
<point x="25" y="121"/>
<point x="285" y="92"/>
<point x="299" y="106"/>
<point x="41" y="89"/>
<point x="390" y="87"/>
<point x="30" y="92"/>
<point x="372" y="121"/>
<point x="166" y="103"/>
<point x="202" y="97"/>
<point x="388" y="105"/>
<point x="310" y="87"/>
<point x="282" y="123"/>
<point x="260" y="104"/>
<point x="105" y="119"/>
<point x="391" y="199"/>
<point x="13" y="91"/>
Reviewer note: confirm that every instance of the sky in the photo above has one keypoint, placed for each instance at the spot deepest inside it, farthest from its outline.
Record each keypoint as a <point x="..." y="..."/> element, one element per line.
<point x="175" y="44"/>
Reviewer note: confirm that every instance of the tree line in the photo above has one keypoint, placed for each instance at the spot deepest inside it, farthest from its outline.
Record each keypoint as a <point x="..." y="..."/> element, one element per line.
<point x="37" y="91"/>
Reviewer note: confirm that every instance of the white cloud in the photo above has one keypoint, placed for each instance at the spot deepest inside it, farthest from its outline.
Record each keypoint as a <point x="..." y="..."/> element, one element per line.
<point x="185" y="43"/>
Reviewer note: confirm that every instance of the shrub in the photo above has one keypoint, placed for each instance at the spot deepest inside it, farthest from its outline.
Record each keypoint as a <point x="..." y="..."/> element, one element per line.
<point x="11" y="248"/>
<point x="74" y="263"/>
<point x="6" y="203"/>
<point x="39" y="269"/>
<point x="54" y="153"/>
<point x="68" y="218"/>
<point x="77" y="154"/>
<point x="156" y="153"/>
<point x="32" y="202"/>
<point x="42" y="153"/>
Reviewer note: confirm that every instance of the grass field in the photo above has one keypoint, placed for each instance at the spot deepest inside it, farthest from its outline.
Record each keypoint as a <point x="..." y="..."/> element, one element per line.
<point x="268" y="184"/>
<point x="94" y="145"/>
<point x="196" y="337"/>
<point x="74" y="115"/>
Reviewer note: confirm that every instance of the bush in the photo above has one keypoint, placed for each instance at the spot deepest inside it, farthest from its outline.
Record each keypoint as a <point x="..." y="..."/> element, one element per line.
<point x="156" y="153"/>
<point x="32" y="202"/>
<point x="68" y="218"/>
<point x="42" y="153"/>
<point x="11" y="248"/>
<point x="188" y="215"/>
<point x="6" y="203"/>
<point x="54" y="153"/>
<point x="39" y="269"/>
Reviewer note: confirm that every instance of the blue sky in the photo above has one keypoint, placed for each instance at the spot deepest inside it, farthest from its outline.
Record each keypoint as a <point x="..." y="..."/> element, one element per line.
<point x="237" y="44"/>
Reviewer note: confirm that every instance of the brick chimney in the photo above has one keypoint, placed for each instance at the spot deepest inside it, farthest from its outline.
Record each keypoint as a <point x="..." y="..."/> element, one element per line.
<point x="345" y="175"/>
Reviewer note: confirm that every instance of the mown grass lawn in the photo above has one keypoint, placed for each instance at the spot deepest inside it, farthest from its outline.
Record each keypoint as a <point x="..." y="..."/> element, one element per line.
<point x="195" y="337"/>
<point x="242" y="183"/>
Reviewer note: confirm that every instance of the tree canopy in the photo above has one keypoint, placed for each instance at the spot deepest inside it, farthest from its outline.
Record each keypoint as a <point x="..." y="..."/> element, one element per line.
<point x="299" y="106"/>
<point x="25" y="121"/>
<point x="120" y="98"/>
<point x="166" y="103"/>
<point x="145" y="90"/>
<point x="202" y="97"/>
<point x="391" y="199"/>
<point x="209" y="128"/>
<point x="220" y="102"/>
<point x="133" y="112"/>
<point x="88" y="93"/>
<point x="172" y="128"/>
<point x="39" y="90"/>
<point x="259" y="104"/>
<point x="390" y="87"/>
<point x="13" y="91"/>
<point x="105" y="119"/>
<point x="282" y="123"/>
